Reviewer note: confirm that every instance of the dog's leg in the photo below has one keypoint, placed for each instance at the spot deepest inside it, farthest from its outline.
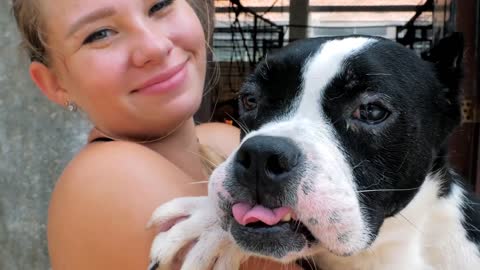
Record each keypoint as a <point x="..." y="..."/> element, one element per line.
<point x="197" y="223"/>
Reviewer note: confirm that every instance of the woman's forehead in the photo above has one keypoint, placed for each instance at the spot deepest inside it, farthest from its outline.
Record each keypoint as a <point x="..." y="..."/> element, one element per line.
<point x="61" y="15"/>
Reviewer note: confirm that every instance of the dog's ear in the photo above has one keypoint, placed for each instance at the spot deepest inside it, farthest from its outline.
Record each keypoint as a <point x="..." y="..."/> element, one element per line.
<point x="447" y="56"/>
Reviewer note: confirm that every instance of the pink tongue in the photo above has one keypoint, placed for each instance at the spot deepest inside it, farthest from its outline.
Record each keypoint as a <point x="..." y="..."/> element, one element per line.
<point x="245" y="214"/>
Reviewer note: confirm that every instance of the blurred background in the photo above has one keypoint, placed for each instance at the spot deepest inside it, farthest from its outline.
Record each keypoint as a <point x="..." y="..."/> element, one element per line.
<point x="38" y="138"/>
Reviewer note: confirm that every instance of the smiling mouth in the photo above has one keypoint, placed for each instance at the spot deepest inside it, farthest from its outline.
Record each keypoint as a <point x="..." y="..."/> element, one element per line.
<point x="165" y="81"/>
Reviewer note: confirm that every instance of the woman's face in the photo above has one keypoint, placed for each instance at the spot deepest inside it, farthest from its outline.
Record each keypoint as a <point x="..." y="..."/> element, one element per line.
<point x="136" y="67"/>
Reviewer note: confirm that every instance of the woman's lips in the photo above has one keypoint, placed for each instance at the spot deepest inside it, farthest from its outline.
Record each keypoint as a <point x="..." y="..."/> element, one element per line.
<point x="165" y="81"/>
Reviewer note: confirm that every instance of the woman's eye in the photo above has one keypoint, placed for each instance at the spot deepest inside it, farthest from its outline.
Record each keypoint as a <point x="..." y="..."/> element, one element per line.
<point x="98" y="35"/>
<point x="159" y="6"/>
<point x="249" y="102"/>
<point x="371" y="114"/>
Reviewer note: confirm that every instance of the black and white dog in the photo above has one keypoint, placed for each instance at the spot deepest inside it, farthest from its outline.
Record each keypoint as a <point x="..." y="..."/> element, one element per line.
<point x="342" y="162"/>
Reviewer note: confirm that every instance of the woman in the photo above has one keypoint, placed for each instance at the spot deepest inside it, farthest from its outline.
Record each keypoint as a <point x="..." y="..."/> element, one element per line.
<point x="137" y="69"/>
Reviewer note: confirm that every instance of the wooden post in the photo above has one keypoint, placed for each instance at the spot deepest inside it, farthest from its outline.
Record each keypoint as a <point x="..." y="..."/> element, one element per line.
<point x="298" y="19"/>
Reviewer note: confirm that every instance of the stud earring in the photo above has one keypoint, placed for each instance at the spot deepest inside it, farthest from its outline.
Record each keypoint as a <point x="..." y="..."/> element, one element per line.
<point x="71" y="106"/>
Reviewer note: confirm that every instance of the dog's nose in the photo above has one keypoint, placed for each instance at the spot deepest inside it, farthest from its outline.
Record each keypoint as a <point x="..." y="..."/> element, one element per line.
<point x="266" y="164"/>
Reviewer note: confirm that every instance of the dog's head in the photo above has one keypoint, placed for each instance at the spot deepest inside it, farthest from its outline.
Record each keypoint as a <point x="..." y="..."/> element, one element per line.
<point x="337" y="135"/>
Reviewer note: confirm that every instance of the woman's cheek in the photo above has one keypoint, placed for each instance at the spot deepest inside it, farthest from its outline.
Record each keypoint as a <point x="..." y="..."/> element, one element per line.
<point x="187" y="32"/>
<point x="102" y="71"/>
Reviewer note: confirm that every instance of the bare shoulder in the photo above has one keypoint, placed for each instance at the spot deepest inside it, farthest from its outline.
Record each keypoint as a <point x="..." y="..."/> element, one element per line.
<point x="102" y="202"/>
<point x="221" y="137"/>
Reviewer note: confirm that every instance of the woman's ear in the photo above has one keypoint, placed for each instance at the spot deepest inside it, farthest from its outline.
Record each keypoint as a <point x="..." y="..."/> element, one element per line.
<point x="47" y="81"/>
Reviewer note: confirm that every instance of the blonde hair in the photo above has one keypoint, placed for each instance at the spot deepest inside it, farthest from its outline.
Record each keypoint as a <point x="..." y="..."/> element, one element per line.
<point x="205" y="11"/>
<point x="31" y="25"/>
<point x="210" y="158"/>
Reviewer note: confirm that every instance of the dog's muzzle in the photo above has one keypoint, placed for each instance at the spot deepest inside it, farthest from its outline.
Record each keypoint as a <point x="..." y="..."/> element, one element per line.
<point x="284" y="198"/>
<point x="266" y="172"/>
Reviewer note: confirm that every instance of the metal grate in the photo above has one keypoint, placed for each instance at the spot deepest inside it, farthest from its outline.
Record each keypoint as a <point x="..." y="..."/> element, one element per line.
<point x="242" y="41"/>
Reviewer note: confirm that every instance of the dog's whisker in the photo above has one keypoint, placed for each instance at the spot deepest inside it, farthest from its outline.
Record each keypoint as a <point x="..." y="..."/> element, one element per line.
<point x="310" y="258"/>
<point x="297" y="225"/>
<point x="473" y="230"/>
<point x="411" y="223"/>
<point x="245" y="125"/>
<point x="403" y="161"/>
<point x="379" y="74"/>
<point x="241" y="125"/>
<point x="367" y="208"/>
<point x="363" y="195"/>
<point x="213" y="164"/>
<point x="359" y="164"/>
<point x="386" y="190"/>
<point x="371" y="251"/>
<point x="471" y="227"/>
<point x="472" y="203"/>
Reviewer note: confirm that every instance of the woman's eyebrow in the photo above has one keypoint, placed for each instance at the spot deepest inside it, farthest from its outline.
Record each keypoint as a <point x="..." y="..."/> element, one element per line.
<point x="91" y="17"/>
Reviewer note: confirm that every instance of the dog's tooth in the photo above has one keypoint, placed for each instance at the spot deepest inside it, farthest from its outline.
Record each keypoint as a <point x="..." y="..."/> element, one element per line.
<point x="287" y="218"/>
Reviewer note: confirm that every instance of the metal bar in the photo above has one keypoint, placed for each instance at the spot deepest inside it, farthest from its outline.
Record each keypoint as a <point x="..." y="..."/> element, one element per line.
<point x="254" y="38"/>
<point x="278" y="9"/>
<point x="427" y="6"/>
<point x="238" y="8"/>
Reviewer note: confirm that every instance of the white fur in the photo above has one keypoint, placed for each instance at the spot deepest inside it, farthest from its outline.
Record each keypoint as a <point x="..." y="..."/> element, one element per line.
<point x="321" y="70"/>
<point x="426" y="235"/>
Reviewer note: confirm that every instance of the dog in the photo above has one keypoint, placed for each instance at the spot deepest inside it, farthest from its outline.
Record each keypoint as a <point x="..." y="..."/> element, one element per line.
<point x="342" y="165"/>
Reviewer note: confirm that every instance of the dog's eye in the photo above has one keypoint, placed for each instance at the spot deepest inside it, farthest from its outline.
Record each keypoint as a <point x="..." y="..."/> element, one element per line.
<point x="371" y="114"/>
<point x="249" y="102"/>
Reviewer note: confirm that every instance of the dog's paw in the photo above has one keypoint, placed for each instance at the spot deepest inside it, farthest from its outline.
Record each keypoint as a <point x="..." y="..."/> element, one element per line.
<point x="192" y="220"/>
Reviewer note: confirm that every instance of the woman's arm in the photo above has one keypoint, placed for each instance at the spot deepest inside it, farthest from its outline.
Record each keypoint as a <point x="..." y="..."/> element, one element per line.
<point x="103" y="201"/>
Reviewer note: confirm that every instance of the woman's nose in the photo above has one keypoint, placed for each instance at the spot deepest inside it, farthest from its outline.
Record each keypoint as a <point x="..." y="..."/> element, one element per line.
<point x="150" y="48"/>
